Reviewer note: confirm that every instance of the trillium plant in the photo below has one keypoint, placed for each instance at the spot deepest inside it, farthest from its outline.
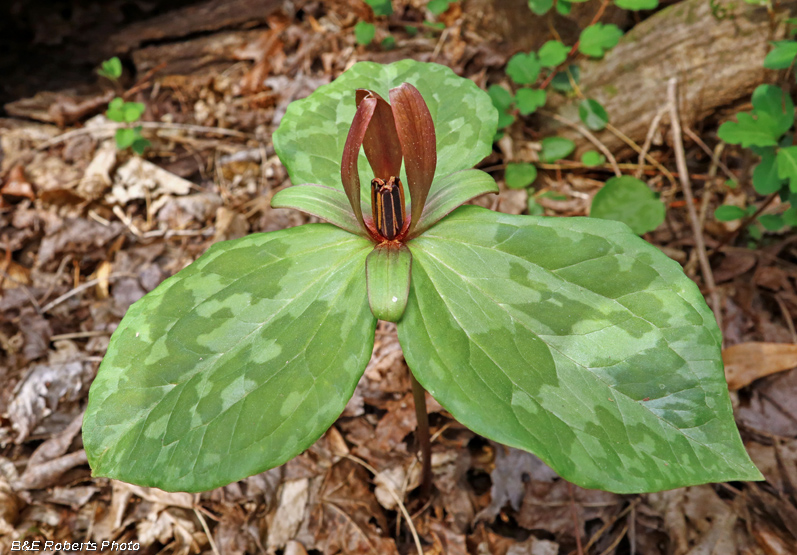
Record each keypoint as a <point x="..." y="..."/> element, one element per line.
<point x="571" y="338"/>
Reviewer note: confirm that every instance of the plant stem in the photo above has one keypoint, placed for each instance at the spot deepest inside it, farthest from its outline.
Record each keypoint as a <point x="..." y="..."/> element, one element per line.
<point x="419" y="396"/>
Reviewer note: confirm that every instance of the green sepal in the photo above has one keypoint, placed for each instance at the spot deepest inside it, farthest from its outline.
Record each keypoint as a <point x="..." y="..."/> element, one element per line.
<point x="576" y="340"/>
<point x="234" y="365"/>
<point x="453" y="191"/>
<point x="331" y="205"/>
<point x="387" y="271"/>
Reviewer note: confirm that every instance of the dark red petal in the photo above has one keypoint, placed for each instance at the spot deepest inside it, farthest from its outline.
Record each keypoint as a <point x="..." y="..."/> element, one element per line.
<point x="418" y="143"/>
<point x="381" y="144"/>
<point x="349" y="174"/>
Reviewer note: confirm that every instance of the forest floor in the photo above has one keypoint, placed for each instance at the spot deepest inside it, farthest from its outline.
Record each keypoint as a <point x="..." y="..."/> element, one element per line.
<point x="86" y="230"/>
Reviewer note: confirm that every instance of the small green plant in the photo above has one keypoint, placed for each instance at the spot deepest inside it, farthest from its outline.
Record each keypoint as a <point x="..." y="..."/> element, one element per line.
<point x="629" y="200"/>
<point x="568" y="337"/>
<point x="768" y="131"/>
<point x="127" y="112"/>
<point x="111" y="69"/>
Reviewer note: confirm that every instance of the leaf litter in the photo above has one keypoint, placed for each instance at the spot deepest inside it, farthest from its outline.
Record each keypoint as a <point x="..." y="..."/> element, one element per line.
<point x="85" y="230"/>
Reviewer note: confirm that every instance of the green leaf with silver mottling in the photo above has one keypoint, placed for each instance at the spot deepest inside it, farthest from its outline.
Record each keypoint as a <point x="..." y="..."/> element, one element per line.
<point x="574" y="339"/>
<point x="331" y="205"/>
<point x="234" y="365"/>
<point x="387" y="271"/>
<point x="310" y="138"/>
<point x="452" y="191"/>
<point x="629" y="200"/>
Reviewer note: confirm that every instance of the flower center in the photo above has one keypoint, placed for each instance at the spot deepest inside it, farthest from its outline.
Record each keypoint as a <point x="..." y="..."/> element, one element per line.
<point x="387" y="204"/>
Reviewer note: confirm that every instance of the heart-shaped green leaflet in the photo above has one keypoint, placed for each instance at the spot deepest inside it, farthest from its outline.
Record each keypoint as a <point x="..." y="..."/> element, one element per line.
<point x="574" y="339"/>
<point x="236" y="364"/>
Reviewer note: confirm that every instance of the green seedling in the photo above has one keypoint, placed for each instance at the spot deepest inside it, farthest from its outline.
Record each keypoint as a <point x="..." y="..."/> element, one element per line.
<point x="127" y="112"/>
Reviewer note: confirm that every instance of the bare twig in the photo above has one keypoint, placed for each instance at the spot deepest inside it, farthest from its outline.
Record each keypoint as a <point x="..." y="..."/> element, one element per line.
<point x="589" y="136"/>
<point x="714" y="158"/>
<point x="82" y="287"/>
<point x="680" y="161"/>
<point x="574" y="514"/>
<point x="391" y="490"/>
<point x="111" y="128"/>
<point x="205" y="527"/>
<point x="649" y="140"/>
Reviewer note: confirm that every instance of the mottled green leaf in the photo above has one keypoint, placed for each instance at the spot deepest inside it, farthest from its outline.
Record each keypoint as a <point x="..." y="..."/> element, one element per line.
<point x="234" y="365"/>
<point x="519" y="176"/>
<point x="528" y="100"/>
<point x="574" y="339"/>
<point x="593" y="114"/>
<point x="629" y="200"/>
<point x="556" y="148"/>
<point x="552" y="53"/>
<point x="310" y="138"/>
<point x="331" y="205"/>
<point x="782" y="55"/>
<point x="523" y="68"/>
<point x="787" y="166"/>
<point x="387" y="271"/>
<point x="596" y="39"/>
<point x="451" y="192"/>
<point x="728" y="213"/>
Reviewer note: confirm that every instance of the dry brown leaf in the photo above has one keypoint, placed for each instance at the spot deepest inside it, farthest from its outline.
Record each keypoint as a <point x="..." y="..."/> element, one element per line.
<point x="747" y="362"/>
<point x="17" y="186"/>
<point x="97" y="177"/>
<point x="290" y="513"/>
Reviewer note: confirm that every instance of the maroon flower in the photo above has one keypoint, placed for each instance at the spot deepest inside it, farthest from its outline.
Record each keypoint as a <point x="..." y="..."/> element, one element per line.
<point x="388" y="133"/>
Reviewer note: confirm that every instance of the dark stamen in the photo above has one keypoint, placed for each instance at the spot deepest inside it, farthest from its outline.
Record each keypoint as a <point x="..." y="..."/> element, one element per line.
<point x="387" y="202"/>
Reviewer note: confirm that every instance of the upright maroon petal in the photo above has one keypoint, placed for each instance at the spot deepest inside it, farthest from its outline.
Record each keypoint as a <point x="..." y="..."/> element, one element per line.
<point x="418" y="143"/>
<point x="349" y="174"/>
<point x="381" y="144"/>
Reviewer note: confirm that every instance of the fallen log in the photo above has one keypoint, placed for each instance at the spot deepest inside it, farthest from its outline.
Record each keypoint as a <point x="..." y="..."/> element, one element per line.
<point x="717" y="57"/>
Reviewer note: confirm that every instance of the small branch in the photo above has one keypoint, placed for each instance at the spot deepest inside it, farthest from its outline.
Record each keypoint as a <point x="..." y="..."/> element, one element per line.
<point x="419" y="396"/>
<point x="680" y="161"/>
<point x="589" y="136"/>
<point x="574" y="514"/>
<point x="649" y="140"/>
<point x="82" y="287"/>
<point x="714" y="158"/>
